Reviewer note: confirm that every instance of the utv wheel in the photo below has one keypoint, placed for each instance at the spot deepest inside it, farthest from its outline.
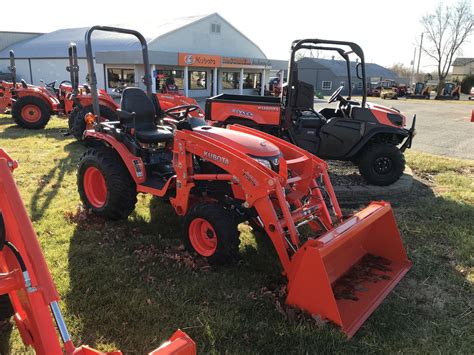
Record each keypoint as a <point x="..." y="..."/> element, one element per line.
<point x="381" y="164"/>
<point x="210" y="230"/>
<point x="76" y="122"/>
<point x="31" y="112"/>
<point x="105" y="185"/>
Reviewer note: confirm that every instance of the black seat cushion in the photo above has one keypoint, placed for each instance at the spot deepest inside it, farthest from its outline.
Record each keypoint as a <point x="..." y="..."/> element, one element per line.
<point x="158" y="135"/>
<point x="135" y="100"/>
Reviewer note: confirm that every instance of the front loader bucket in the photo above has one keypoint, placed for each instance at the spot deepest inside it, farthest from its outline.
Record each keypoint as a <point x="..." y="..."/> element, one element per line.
<point x="346" y="273"/>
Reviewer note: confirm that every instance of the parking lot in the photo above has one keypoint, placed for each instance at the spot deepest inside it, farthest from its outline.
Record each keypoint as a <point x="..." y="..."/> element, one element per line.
<point x="443" y="127"/>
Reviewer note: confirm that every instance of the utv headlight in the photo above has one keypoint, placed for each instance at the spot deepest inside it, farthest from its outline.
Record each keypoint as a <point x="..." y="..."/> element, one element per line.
<point x="264" y="162"/>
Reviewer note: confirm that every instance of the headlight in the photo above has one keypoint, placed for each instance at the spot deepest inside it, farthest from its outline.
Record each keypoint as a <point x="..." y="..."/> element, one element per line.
<point x="264" y="162"/>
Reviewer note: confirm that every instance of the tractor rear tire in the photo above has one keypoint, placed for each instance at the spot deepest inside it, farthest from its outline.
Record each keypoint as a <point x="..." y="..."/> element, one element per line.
<point x="76" y="122"/>
<point x="210" y="230"/>
<point x="105" y="185"/>
<point x="31" y="112"/>
<point x="381" y="163"/>
<point x="71" y="120"/>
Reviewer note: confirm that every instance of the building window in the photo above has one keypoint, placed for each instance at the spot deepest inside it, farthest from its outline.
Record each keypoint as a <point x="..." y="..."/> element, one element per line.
<point x="359" y="86"/>
<point x="197" y="80"/>
<point x="230" y="80"/>
<point x="215" y="28"/>
<point x="164" y="77"/>
<point x="327" y="85"/>
<point x="342" y="83"/>
<point x="120" y="77"/>
<point x="252" y="80"/>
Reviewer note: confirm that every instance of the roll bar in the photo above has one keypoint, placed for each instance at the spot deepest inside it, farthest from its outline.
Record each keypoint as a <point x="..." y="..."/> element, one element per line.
<point x="73" y="68"/>
<point x="90" y="62"/>
<point x="12" y="67"/>
<point x="316" y="43"/>
<point x="344" y="55"/>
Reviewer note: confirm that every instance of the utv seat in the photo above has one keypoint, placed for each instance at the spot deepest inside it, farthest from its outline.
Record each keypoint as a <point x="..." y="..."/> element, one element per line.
<point x="311" y="119"/>
<point x="138" y="112"/>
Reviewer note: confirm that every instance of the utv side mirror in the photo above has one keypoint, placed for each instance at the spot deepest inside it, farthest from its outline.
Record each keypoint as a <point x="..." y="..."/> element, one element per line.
<point x="358" y="71"/>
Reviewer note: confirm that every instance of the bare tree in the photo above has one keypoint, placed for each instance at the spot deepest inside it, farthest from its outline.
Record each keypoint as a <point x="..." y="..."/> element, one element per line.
<point x="401" y="70"/>
<point x="447" y="29"/>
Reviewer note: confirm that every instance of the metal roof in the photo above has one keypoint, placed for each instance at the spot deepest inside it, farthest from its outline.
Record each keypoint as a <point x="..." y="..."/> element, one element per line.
<point x="339" y="67"/>
<point x="459" y="62"/>
<point x="55" y="44"/>
<point x="158" y="34"/>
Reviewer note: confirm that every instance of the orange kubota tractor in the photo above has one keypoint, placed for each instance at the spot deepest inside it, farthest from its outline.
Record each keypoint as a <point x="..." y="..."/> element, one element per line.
<point x="27" y="290"/>
<point x="81" y="100"/>
<point x="217" y="177"/>
<point x="32" y="106"/>
<point x="7" y="87"/>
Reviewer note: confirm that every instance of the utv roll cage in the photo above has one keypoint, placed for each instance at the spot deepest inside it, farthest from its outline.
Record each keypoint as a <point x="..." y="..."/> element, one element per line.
<point x="325" y="45"/>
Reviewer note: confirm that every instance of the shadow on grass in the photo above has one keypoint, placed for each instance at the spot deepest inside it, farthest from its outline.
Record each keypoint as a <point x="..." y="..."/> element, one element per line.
<point x="15" y="131"/>
<point x="44" y="194"/>
<point x="6" y="121"/>
<point x="126" y="293"/>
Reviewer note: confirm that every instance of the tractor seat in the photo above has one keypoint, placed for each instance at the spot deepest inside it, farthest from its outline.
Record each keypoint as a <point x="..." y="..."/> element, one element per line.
<point x="134" y="100"/>
<point x="159" y="135"/>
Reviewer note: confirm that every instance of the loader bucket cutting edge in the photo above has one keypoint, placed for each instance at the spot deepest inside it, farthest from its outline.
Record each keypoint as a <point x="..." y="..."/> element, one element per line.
<point x="346" y="273"/>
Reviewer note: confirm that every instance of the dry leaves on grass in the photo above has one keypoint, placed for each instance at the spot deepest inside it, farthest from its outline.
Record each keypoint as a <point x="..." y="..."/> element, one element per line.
<point x="278" y="297"/>
<point x="173" y="256"/>
<point x="81" y="215"/>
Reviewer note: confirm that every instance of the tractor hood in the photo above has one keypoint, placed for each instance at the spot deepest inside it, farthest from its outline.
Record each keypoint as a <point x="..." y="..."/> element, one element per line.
<point x="243" y="142"/>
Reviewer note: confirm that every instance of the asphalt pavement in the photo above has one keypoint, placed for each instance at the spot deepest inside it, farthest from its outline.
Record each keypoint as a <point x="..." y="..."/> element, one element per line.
<point x="443" y="127"/>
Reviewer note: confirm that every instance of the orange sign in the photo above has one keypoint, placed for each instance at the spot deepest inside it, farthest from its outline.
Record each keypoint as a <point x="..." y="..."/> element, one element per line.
<point x="199" y="60"/>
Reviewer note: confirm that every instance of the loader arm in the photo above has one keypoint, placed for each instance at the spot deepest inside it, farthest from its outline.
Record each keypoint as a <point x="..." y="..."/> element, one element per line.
<point x="343" y="269"/>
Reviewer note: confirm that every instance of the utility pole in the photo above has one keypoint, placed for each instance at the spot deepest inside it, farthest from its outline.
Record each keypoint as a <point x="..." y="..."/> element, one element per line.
<point x="413" y="66"/>
<point x="419" y="54"/>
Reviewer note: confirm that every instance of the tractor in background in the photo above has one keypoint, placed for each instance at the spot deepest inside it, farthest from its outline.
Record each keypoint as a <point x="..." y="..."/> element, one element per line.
<point x="7" y="88"/>
<point x="451" y="91"/>
<point x="420" y="91"/>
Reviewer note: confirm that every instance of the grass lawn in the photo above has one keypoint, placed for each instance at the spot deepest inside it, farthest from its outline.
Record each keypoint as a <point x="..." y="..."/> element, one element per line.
<point x="128" y="285"/>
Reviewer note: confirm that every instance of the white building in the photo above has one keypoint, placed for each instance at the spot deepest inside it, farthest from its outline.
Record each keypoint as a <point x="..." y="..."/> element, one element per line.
<point x="205" y="54"/>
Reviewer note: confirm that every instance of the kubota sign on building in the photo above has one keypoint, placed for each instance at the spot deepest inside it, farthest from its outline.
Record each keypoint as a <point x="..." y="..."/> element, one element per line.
<point x="199" y="60"/>
<point x="215" y="61"/>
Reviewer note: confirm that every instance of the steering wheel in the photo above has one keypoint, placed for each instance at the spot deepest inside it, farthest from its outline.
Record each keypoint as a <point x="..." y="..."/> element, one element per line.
<point x="336" y="94"/>
<point x="173" y="112"/>
<point x="65" y="82"/>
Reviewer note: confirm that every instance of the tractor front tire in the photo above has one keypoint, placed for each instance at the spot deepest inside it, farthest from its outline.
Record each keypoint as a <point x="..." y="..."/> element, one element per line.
<point x="31" y="112"/>
<point x="381" y="164"/>
<point x="210" y="230"/>
<point x="105" y="185"/>
<point x="76" y="122"/>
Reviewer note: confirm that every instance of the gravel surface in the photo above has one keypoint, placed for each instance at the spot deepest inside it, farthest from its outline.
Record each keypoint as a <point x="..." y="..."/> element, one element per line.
<point x="344" y="173"/>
